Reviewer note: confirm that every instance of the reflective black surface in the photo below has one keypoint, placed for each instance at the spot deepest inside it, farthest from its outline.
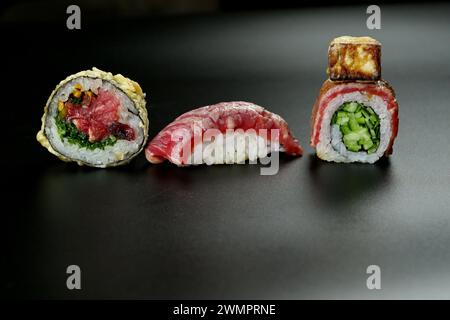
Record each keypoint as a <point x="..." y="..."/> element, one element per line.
<point x="147" y="231"/>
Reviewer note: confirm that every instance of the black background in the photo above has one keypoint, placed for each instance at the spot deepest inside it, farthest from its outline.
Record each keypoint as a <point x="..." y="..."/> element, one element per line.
<point x="225" y="232"/>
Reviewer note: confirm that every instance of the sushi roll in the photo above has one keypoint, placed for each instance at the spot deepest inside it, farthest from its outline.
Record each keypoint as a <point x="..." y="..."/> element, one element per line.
<point x="223" y="133"/>
<point x="95" y="118"/>
<point x="355" y="120"/>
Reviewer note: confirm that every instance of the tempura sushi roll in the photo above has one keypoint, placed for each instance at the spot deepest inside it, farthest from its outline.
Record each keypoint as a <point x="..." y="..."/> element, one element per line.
<point x="354" y="121"/>
<point x="95" y="118"/>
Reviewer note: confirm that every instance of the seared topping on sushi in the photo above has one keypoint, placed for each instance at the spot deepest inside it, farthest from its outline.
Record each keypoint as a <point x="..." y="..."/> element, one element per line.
<point x="95" y="118"/>
<point x="354" y="58"/>
<point x="355" y="116"/>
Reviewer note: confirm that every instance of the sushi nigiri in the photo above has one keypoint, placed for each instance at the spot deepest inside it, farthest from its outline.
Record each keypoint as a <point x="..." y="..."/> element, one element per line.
<point x="227" y="132"/>
<point x="95" y="118"/>
<point x="355" y="120"/>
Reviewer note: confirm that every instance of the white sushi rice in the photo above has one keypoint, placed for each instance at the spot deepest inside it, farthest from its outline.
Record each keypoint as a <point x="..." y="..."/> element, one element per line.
<point x="128" y="114"/>
<point x="233" y="147"/>
<point x="331" y="147"/>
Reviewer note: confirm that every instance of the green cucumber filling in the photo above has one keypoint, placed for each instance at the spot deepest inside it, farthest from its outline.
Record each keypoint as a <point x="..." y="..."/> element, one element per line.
<point x="359" y="125"/>
<point x="68" y="130"/>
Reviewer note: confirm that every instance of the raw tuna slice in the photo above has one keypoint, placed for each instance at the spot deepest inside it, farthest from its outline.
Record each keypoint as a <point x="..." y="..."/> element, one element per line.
<point x="97" y="116"/>
<point x="187" y="136"/>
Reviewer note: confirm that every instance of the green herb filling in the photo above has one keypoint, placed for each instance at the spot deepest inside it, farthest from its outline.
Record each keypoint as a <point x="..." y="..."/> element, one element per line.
<point x="69" y="131"/>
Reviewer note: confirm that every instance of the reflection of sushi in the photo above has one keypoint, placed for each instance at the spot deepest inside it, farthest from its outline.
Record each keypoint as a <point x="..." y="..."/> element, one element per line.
<point x="354" y="120"/>
<point x="96" y="119"/>
<point x="246" y="125"/>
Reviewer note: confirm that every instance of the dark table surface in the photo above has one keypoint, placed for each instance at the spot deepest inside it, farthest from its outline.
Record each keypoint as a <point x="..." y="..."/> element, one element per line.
<point x="158" y="231"/>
